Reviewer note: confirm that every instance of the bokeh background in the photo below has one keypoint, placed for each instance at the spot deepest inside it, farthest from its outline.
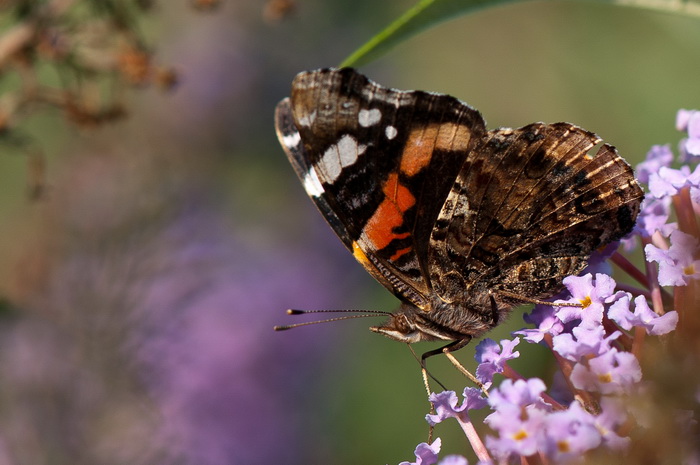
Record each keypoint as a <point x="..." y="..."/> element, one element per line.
<point x="139" y="292"/>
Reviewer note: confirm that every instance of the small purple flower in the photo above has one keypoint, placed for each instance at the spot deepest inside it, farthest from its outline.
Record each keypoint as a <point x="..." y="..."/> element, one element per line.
<point x="445" y="404"/>
<point x="519" y="431"/>
<point x="658" y="156"/>
<point x="689" y="121"/>
<point x="654" y="217"/>
<point x="519" y="393"/>
<point x="667" y="182"/>
<point x="677" y="265"/>
<point x="612" y="372"/>
<point x="643" y="316"/>
<point x="492" y="358"/>
<point x="518" y="417"/>
<point x="453" y="460"/>
<point x="542" y="316"/>
<point x="582" y="342"/>
<point x="521" y="435"/>
<point x="611" y="417"/>
<point x="591" y="295"/>
<point x="426" y="454"/>
<point x="683" y="118"/>
<point x="570" y="433"/>
<point x="598" y="262"/>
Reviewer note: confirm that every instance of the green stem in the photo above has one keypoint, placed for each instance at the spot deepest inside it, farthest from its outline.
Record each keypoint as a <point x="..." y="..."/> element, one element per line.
<point x="427" y="13"/>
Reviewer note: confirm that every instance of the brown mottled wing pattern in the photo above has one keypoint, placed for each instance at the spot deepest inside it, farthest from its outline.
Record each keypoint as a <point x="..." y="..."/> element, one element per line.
<point x="378" y="163"/>
<point x="527" y="209"/>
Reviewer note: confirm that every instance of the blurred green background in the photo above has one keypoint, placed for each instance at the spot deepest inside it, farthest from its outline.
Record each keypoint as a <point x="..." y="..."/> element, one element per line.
<point x="142" y="289"/>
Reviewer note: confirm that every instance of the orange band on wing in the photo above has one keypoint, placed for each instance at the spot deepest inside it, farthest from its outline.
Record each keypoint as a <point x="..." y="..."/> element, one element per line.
<point x="400" y="253"/>
<point x="418" y="150"/>
<point x="453" y="137"/>
<point x="425" y="139"/>
<point x="379" y="230"/>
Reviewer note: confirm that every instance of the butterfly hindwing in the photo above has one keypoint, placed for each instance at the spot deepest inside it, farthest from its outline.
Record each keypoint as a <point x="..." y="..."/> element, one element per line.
<point x="537" y="205"/>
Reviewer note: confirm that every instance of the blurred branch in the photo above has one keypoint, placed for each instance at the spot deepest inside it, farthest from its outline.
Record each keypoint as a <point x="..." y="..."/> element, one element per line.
<point x="76" y="56"/>
<point x="14" y="40"/>
<point x="21" y="35"/>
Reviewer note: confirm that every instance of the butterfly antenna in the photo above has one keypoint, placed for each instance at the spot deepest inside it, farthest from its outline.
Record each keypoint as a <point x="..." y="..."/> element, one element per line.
<point x="359" y="314"/>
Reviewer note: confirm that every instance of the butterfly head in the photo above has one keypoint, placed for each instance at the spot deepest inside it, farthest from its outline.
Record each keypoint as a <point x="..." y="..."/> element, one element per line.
<point x="410" y="324"/>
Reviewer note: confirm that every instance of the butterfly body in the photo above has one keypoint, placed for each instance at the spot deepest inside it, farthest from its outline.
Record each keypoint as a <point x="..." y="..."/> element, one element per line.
<point x="461" y="223"/>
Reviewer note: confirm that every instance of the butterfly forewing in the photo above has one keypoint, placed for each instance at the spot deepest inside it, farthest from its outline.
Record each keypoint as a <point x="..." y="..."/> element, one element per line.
<point x="379" y="164"/>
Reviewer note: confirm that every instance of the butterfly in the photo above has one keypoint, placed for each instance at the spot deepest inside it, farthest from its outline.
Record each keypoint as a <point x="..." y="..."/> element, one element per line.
<point x="461" y="223"/>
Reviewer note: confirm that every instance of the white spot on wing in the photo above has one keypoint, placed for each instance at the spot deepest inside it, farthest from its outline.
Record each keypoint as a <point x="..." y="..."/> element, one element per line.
<point x="338" y="156"/>
<point x="291" y="140"/>
<point x="312" y="184"/>
<point x="368" y="118"/>
<point x="307" y="120"/>
<point x="390" y="132"/>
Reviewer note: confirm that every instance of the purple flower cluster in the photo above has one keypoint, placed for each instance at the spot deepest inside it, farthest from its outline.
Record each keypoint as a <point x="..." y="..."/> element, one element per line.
<point x="596" y="337"/>
<point x="526" y="425"/>
<point x="492" y="358"/>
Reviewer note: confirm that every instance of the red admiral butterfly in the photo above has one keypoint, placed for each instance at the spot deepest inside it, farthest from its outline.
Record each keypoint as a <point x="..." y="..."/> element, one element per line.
<point x="459" y="222"/>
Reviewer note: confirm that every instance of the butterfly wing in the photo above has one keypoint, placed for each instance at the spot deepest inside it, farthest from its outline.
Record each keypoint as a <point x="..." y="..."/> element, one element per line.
<point x="378" y="163"/>
<point x="535" y="205"/>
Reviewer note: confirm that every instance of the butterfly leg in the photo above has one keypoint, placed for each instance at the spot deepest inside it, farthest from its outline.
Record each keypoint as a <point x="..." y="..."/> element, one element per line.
<point x="464" y="371"/>
<point x="451" y="347"/>
<point x="447" y="350"/>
